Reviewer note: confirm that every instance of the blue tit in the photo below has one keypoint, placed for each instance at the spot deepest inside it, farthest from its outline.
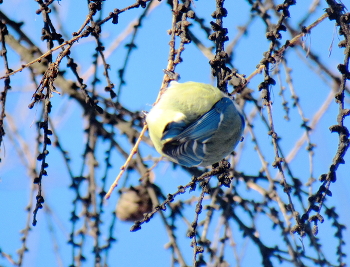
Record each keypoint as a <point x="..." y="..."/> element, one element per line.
<point x="195" y="124"/>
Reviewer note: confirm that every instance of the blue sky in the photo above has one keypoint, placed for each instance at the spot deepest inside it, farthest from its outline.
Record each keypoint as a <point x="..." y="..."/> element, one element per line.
<point x="143" y="79"/>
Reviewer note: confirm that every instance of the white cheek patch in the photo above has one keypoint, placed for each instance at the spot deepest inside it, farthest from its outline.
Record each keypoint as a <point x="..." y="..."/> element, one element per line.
<point x="179" y="116"/>
<point x="157" y="114"/>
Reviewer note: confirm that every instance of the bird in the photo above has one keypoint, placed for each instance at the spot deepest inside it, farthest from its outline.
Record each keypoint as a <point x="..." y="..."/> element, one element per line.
<point x="195" y="124"/>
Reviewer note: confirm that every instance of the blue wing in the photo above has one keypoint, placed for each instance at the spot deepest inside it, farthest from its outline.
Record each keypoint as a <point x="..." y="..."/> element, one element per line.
<point x="173" y="129"/>
<point x="187" y="146"/>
